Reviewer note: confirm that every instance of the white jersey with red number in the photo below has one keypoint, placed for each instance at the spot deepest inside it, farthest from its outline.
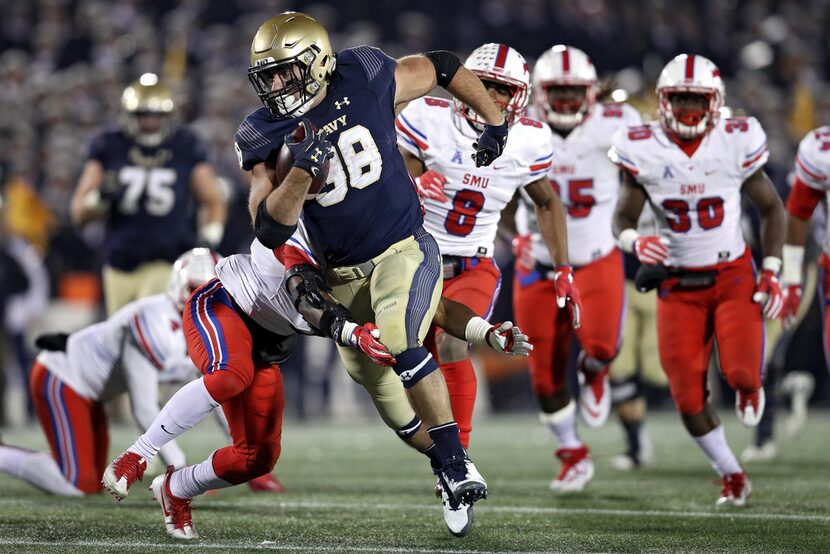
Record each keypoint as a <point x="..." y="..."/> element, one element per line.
<point x="812" y="167"/>
<point x="588" y="184"/>
<point x="257" y="284"/>
<point x="144" y="338"/>
<point x="466" y="225"/>
<point x="697" y="198"/>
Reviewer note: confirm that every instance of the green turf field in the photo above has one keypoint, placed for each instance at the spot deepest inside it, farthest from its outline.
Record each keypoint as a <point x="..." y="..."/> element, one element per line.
<point x="355" y="488"/>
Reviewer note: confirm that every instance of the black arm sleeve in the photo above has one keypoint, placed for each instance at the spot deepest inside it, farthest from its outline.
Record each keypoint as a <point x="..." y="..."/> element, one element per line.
<point x="270" y="232"/>
<point x="446" y="65"/>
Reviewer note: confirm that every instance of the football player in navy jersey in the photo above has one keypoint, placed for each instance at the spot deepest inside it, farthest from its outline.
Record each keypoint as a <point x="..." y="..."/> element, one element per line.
<point x="141" y="179"/>
<point x="366" y="221"/>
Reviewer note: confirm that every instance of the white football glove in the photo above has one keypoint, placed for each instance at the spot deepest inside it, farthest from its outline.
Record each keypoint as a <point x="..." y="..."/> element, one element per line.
<point x="504" y="338"/>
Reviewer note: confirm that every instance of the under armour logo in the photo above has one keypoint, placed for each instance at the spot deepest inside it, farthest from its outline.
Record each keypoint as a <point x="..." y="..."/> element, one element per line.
<point x="407" y="375"/>
<point x="667" y="174"/>
<point x="317" y="153"/>
<point x="340" y="103"/>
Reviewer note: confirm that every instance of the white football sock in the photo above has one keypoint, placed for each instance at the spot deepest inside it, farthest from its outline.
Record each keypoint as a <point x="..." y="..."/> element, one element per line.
<point x="190" y="405"/>
<point x="192" y="481"/>
<point x="717" y="450"/>
<point x="562" y="424"/>
<point x="36" y="468"/>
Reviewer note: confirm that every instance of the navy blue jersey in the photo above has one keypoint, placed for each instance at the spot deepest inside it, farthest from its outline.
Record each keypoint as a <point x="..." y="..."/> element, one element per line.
<point x="151" y="216"/>
<point x="368" y="202"/>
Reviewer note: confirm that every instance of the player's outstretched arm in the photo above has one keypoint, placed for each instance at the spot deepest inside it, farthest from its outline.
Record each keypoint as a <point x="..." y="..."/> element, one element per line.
<point x="212" y="204"/>
<point x="309" y="291"/>
<point x="417" y="75"/>
<point x="762" y="193"/>
<point x="87" y="203"/>
<point x="554" y="230"/>
<point x="461" y="322"/>
<point x="801" y="204"/>
<point x="551" y="217"/>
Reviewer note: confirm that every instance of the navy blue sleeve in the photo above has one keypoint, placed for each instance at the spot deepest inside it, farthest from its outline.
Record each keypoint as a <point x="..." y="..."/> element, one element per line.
<point x="198" y="149"/>
<point x="98" y="148"/>
<point x="378" y="67"/>
<point x="251" y="143"/>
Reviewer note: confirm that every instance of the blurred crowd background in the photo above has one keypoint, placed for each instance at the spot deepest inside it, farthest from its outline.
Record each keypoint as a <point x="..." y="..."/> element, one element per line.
<point x="64" y="64"/>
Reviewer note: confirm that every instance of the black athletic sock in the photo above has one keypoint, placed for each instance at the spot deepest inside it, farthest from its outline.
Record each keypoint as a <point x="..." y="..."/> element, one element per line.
<point x="632" y="437"/>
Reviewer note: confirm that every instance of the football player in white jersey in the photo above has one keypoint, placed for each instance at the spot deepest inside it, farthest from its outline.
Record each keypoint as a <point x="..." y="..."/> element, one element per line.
<point x="564" y="96"/>
<point x="245" y="322"/>
<point x="434" y="136"/>
<point x="692" y="167"/>
<point x="133" y="351"/>
<point x="812" y="185"/>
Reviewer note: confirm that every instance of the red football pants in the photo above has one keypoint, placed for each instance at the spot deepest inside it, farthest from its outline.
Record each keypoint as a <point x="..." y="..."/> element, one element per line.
<point x="251" y="395"/>
<point x="75" y="427"/>
<point x="688" y="321"/>
<point x="602" y="286"/>
<point x="477" y="287"/>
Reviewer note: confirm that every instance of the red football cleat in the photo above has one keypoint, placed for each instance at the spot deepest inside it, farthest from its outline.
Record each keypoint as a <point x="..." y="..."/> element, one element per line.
<point x="178" y="515"/>
<point x="577" y="470"/>
<point x="120" y="475"/>
<point x="266" y="483"/>
<point x="736" y="488"/>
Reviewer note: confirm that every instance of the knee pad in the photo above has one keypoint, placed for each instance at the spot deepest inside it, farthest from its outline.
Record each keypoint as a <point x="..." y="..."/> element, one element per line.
<point x="225" y="384"/>
<point x="413" y="365"/>
<point x="623" y="390"/>
<point x="408" y="431"/>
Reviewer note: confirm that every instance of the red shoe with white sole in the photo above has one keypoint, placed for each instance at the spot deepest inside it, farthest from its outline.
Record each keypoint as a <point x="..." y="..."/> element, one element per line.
<point x="120" y="475"/>
<point x="736" y="488"/>
<point x="577" y="470"/>
<point x="178" y="515"/>
<point x="750" y="406"/>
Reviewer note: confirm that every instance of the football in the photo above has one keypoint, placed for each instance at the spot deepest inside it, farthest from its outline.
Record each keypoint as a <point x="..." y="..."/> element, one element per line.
<point x="285" y="161"/>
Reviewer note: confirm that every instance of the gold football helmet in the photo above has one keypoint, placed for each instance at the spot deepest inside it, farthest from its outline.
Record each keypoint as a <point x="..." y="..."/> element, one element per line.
<point x="291" y="63"/>
<point x="147" y="105"/>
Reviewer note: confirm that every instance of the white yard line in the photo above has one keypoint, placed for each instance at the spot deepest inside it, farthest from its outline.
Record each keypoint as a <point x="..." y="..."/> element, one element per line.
<point x="265" y="545"/>
<point x="312" y="505"/>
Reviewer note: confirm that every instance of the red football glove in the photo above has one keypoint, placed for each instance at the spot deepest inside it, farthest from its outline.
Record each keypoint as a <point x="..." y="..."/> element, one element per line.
<point x="523" y="251"/>
<point x="790" y="303"/>
<point x="431" y="185"/>
<point x="567" y="293"/>
<point x="364" y="338"/>
<point x="768" y="294"/>
<point x="651" y="249"/>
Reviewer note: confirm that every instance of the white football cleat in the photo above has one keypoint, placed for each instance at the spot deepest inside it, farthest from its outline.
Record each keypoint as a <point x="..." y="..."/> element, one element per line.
<point x="457" y="515"/>
<point x="799" y="385"/>
<point x="736" y="488"/>
<point x="594" y="393"/>
<point x="750" y="406"/>
<point x="463" y="481"/>
<point x="764" y="453"/>
<point x="577" y="470"/>
<point x="178" y="516"/>
<point x="120" y="475"/>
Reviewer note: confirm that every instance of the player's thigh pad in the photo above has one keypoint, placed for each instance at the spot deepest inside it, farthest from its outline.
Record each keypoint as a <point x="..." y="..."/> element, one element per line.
<point x="549" y="330"/>
<point x="684" y="337"/>
<point x="217" y="337"/>
<point x="405" y="290"/>
<point x="382" y="384"/>
<point x="69" y="422"/>
<point x="602" y="287"/>
<point x="739" y="326"/>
